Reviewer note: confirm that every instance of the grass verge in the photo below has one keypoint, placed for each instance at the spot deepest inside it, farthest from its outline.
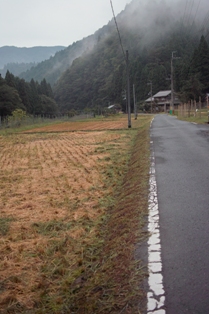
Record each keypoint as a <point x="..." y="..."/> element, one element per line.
<point x="200" y="118"/>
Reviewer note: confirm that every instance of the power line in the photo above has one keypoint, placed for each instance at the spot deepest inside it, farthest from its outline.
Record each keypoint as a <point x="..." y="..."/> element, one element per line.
<point x="205" y="22"/>
<point x="195" y="17"/>
<point x="118" y="30"/>
<point x="197" y="10"/>
<point x="196" y="13"/>
<point x="190" y="13"/>
<point x="185" y="10"/>
<point x="206" y="19"/>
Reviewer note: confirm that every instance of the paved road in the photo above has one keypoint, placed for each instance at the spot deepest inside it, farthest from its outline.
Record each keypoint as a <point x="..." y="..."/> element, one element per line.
<point x="182" y="173"/>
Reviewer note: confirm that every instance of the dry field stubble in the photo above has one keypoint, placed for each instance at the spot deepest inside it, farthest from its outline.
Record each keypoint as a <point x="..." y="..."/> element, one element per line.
<point x="55" y="191"/>
<point x="106" y="124"/>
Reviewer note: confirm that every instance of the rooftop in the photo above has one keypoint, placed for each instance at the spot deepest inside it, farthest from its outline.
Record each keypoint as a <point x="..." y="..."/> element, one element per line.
<point x="163" y="93"/>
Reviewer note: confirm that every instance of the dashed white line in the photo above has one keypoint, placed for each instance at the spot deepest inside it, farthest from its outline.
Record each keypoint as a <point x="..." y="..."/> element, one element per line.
<point x="156" y="293"/>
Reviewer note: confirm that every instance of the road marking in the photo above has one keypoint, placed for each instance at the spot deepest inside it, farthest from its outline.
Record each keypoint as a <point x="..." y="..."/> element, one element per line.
<point x="156" y="293"/>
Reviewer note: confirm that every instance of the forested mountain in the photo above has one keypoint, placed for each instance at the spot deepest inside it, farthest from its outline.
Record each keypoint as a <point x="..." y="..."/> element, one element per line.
<point x="150" y="31"/>
<point x="91" y="73"/>
<point x="52" y="68"/>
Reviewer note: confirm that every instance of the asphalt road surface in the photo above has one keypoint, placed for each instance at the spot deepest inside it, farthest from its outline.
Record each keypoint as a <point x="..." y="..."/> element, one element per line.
<point x="182" y="172"/>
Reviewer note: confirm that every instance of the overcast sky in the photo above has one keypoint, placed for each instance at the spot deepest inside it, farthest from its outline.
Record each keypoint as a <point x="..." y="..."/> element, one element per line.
<point x="28" y="23"/>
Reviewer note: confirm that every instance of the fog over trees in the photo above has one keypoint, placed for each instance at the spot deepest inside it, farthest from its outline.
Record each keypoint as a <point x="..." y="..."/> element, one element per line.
<point x="92" y="73"/>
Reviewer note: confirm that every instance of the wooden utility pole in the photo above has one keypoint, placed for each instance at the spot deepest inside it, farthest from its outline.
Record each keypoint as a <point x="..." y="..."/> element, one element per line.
<point x="150" y="83"/>
<point x="135" y="108"/>
<point x="172" y="84"/>
<point x="128" y="90"/>
<point x="172" y="81"/>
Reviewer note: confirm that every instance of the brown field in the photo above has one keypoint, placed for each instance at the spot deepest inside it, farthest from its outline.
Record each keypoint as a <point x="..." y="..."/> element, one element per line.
<point x="107" y="124"/>
<point x="55" y="189"/>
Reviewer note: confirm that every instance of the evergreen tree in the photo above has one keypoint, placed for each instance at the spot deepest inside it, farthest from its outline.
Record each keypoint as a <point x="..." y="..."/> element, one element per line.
<point x="9" y="100"/>
<point x="202" y="66"/>
<point x="197" y="82"/>
<point x="10" y="79"/>
<point x="34" y="98"/>
<point x="24" y="93"/>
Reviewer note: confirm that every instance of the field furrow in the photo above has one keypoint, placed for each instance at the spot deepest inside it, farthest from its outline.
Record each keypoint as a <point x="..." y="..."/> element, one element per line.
<point x="53" y="182"/>
<point x="58" y="236"/>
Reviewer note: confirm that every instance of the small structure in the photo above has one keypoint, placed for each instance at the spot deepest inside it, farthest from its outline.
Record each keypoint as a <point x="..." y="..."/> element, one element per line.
<point x="162" y="100"/>
<point x="114" y="109"/>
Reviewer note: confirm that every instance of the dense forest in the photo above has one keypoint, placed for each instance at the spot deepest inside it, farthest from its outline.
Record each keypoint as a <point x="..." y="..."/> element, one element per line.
<point x="98" y="78"/>
<point x="91" y="73"/>
<point x="32" y="97"/>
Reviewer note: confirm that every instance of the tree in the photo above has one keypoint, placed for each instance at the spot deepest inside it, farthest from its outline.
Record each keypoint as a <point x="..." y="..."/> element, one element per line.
<point x="17" y="117"/>
<point x="9" y="100"/>
<point x="202" y="66"/>
<point x="48" y="106"/>
<point x="24" y="93"/>
<point x="10" y="79"/>
<point x="34" y="98"/>
<point x="195" y="82"/>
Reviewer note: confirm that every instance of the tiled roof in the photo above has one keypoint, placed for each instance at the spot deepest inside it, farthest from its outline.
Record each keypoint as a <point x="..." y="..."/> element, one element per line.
<point x="163" y="93"/>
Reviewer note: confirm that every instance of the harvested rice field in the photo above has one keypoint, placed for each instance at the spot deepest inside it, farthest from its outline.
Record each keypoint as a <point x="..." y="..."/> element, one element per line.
<point x="65" y="196"/>
<point x="107" y="124"/>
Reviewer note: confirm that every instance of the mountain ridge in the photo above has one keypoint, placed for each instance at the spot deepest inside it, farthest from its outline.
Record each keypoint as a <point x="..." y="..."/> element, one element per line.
<point x="13" y="54"/>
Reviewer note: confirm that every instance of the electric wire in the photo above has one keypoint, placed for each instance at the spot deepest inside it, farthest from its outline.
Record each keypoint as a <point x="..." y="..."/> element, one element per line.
<point x="185" y="10"/>
<point x="205" y="19"/>
<point x="190" y="13"/>
<point x="197" y="10"/>
<point x="116" y="24"/>
<point x="198" y="6"/>
<point x="208" y="30"/>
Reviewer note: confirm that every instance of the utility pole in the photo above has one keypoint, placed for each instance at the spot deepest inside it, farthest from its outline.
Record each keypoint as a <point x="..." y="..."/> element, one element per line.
<point x="150" y="83"/>
<point x="128" y="90"/>
<point x="135" y="109"/>
<point x="172" y="81"/>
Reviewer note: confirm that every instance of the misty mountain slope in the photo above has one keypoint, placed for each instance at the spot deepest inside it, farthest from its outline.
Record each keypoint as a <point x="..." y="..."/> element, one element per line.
<point x="150" y="33"/>
<point x="52" y="68"/>
<point x="10" y="54"/>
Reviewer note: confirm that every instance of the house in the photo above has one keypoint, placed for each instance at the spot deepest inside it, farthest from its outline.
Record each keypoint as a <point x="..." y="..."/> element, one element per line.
<point x="162" y="100"/>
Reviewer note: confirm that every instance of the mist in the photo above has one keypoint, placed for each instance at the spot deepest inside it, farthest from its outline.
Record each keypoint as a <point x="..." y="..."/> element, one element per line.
<point x="149" y="21"/>
<point x="154" y="18"/>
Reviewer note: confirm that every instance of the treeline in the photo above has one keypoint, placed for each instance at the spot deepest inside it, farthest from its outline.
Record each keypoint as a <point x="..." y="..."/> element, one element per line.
<point x="192" y="75"/>
<point x="32" y="97"/>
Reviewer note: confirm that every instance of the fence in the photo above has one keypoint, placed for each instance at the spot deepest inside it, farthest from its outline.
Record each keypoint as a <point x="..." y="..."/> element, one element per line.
<point x="193" y="109"/>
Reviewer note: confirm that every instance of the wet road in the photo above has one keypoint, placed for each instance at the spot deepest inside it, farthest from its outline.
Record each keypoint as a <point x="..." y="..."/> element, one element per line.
<point x="182" y="172"/>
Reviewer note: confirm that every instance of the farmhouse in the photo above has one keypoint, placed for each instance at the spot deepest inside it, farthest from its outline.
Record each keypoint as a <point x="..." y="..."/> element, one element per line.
<point x="162" y="100"/>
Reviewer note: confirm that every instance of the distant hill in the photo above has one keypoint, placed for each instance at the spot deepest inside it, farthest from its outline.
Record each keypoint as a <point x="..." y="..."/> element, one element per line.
<point x="16" y="68"/>
<point x="10" y="55"/>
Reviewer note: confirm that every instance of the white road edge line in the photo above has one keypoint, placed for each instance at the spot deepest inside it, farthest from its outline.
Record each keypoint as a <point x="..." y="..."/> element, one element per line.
<point x="156" y="293"/>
